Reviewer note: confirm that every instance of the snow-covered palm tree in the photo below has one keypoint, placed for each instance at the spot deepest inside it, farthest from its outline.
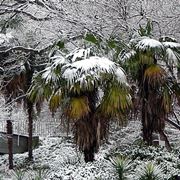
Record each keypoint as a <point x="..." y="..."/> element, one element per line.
<point x="90" y="90"/>
<point x="151" y="63"/>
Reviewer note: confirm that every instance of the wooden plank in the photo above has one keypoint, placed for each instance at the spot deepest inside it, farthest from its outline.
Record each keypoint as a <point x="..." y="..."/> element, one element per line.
<point x="20" y="143"/>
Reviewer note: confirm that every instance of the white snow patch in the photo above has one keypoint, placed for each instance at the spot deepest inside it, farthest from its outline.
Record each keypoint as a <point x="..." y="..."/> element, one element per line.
<point x="148" y="43"/>
<point x="171" y="44"/>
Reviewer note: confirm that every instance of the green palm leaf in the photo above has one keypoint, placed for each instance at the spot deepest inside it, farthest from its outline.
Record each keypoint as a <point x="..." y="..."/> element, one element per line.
<point x="55" y="100"/>
<point x="78" y="107"/>
<point x="115" y="101"/>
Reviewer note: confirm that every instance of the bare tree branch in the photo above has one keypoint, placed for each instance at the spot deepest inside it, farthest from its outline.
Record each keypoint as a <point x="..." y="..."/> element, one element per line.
<point x="40" y="51"/>
<point x="5" y="11"/>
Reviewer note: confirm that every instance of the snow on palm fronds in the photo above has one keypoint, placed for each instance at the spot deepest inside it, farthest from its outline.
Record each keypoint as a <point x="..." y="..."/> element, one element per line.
<point x="127" y="55"/>
<point x="52" y="72"/>
<point x="149" y="44"/>
<point x="148" y="48"/>
<point x="78" y="54"/>
<point x="44" y="82"/>
<point x="171" y="44"/>
<point x="79" y="69"/>
<point x="89" y="72"/>
<point x="172" y="56"/>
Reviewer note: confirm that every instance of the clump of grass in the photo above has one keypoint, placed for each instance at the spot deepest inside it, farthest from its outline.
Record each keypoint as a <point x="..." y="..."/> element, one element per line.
<point x="18" y="174"/>
<point x="41" y="173"/>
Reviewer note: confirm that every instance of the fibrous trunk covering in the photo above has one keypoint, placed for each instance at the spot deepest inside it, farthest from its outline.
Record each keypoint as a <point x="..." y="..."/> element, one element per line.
<point x="86" y="138"/>
<point x="88" y="130"/>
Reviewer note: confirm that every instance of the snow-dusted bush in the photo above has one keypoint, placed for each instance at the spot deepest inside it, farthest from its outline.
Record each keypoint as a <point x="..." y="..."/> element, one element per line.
<point x="122" y="166"/>
<point x="149" y="171"/>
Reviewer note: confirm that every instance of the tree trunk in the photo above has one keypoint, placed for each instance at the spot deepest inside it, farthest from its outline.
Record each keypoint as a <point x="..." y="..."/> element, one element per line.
<point x="30" y="128"/>
<point x="85" y="137"/>
<point x="146" y="117"/>
<point x="85" y="129"/>
<point x="10" y="143"/>
<point x="29" y="75"/>
<point x="146" y="124"/>
<point x="89" y="154"/>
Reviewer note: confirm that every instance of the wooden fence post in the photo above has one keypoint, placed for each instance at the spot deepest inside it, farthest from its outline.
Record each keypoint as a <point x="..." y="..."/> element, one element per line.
<point x="10" y="142"/>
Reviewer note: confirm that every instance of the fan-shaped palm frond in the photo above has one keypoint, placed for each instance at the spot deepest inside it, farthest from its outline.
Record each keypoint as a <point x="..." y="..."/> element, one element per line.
<point x="87" y="74"/>
<point x="155" y="75"/>
<point x="171" y="45"/>
<point x="78" y="107"/>
<point x="172" y="57"/>
<point x="39" y="90"/>
<point x="55" y="100"/>
<point x="151" y="65"/>
<point x="167" y="39"/>
<point x="78" y="54"/>
<point x="115" y="102"/>
<point x="52" y="73"/>
<point x="126" y="55"/>
<point x="148" y="44"/>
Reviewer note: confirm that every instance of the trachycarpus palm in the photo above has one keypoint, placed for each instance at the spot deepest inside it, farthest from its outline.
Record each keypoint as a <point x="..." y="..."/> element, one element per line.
<point x="90" y="90"/>
<point x="150" y="62"/>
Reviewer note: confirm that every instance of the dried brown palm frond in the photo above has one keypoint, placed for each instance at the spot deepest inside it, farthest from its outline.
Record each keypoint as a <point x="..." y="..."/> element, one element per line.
<point x="85" y="134"/>
<point x="89" y="132"/>
<point x="15" y="86"/>
<point x="155" y="75"/>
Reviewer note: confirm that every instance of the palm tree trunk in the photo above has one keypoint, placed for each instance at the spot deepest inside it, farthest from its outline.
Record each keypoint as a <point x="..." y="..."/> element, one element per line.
<point x="86" y="130"/>
<point x="10" y="143"/>
<point x="85" y="136"/>
<point x="29" y="75"/>
<point x="146" y="124"/>
<point x="89" y="153"/>
<point x="146" y="118"/>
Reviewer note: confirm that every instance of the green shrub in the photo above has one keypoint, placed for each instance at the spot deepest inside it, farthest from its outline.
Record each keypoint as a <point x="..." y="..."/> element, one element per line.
<point x="121" y="165"/>
<point x="149" y="171"/>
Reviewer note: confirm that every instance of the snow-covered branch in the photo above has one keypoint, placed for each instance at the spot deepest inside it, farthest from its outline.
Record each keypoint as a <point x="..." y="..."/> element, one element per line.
<point x="5" y="11"/>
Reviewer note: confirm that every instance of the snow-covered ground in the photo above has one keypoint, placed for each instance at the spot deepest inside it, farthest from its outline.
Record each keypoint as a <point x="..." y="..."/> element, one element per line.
<point x="58" y="158"/>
